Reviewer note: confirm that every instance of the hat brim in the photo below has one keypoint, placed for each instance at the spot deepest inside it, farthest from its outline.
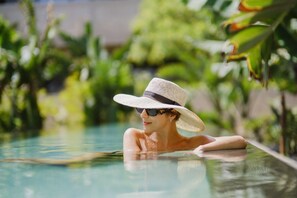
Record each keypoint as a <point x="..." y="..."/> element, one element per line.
<point x="188" y="120"/>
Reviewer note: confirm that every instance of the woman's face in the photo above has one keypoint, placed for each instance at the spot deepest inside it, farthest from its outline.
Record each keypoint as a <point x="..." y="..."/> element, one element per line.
<point x="154" y="123"/>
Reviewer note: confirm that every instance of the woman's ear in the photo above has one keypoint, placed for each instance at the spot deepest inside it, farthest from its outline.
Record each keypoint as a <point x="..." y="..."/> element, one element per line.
<point x="172" y="117"/>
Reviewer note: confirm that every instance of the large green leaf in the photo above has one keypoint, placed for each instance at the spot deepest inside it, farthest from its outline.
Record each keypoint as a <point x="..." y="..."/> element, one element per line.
<point x="255" y="25"/>
<point x="255" y="5"/>
<point x="267" y="16"/>
<point x="249" y="38"/>
<point x="254" y="61"/>
<point x="255" y="50"/>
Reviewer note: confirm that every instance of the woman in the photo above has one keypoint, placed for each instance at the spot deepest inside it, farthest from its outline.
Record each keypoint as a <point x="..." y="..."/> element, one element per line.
<point x="162" y="110"/>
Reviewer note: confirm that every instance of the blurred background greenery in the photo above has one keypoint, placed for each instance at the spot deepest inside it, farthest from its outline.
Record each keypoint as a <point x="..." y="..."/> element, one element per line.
<point x="225" y="53"/>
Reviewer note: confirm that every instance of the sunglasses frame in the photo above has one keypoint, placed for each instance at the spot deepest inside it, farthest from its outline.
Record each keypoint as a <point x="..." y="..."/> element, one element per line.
<point x="152" y="112"/>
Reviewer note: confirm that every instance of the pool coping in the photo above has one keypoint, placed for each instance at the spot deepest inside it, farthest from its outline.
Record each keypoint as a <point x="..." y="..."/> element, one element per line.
<point x="290" y="162"/>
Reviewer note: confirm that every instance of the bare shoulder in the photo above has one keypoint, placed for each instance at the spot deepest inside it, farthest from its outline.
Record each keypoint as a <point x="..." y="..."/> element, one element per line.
<point x="132" y="139"/>
<point x="132" y="132"/>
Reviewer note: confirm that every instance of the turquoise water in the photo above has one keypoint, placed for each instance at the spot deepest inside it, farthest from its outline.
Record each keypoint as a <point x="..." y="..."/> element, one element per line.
<point x="237" y="173"/>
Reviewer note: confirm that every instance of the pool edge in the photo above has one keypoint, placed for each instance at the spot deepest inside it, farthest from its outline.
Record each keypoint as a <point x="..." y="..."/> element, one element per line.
<point x="290" y="162"/>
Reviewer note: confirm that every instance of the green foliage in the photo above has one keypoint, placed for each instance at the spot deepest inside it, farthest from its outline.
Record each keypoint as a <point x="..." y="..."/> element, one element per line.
<point x="175" y="71"/>
<point x="21" y="75"/>
<point x="164" y="29"/>
<point x="102" y="75"/>
<point x="109" y="78"/>
<point x="289" y="134"/>
<point x="260" y="30"/>
<point x="264" y="33"/>
<point x="32" y="67"/>
<point x="268" y="129"/>
<point x="230" y="94"/>
<point x="65" y="107"/>
<point x="189" y="67"/>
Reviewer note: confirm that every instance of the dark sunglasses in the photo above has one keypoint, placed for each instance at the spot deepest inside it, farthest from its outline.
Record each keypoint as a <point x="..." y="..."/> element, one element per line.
<point x="152" y="112"/>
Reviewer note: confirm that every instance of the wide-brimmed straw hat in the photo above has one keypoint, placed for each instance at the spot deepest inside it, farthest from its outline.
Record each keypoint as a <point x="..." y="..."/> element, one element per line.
<point x="163" y="94"/>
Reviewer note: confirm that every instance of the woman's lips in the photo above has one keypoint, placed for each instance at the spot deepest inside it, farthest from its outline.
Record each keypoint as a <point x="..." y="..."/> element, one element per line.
<point x="146" y="123"/>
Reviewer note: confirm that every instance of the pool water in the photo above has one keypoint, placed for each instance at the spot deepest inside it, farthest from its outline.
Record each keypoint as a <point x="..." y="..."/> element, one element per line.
<point x="234" y="173"/>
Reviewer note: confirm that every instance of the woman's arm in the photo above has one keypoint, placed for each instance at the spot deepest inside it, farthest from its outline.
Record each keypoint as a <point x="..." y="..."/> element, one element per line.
<point x="222" y="143"/>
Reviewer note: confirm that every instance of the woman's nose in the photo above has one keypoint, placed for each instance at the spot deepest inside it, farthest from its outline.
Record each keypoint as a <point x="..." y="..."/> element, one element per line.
<point x="143" y="114"/>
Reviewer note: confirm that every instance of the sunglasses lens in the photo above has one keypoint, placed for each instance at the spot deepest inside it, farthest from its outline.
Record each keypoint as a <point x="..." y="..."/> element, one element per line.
<point x="139" y="110"/>
<point x="152" y="112"/>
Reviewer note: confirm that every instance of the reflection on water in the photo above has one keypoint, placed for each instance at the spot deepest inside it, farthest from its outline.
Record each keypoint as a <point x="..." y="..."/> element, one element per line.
<point x="6" y="137"/>
<point x="234" y="173"/>
<point x="176" y="174"/>
<point x="259" y="175"/>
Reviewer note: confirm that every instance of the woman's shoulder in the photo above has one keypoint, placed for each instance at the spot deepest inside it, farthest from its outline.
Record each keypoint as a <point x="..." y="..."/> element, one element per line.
<point x="133" y="132"/>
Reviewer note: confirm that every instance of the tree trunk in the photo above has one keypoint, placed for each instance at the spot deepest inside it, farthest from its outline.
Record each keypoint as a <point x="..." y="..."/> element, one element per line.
<point x="282" y="141"/>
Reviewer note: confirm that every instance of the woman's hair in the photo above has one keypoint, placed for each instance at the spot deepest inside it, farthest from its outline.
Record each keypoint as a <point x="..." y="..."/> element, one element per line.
<point x="174" y="112"/>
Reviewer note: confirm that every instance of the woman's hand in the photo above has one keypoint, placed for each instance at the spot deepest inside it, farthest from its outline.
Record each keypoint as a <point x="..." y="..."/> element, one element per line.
<point x="223" y="143"/>
<point x="199" y="149"/>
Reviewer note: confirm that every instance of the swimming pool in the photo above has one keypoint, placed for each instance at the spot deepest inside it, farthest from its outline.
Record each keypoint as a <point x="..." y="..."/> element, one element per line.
<point x="236" y="173"/>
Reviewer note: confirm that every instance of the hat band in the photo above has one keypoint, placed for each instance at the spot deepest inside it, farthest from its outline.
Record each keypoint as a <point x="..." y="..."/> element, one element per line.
<point x="159" y="98"/>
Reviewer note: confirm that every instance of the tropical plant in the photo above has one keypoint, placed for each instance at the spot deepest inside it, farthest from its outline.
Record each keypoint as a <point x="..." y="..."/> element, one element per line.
<point x="26" y="66"/>
<point x="102" y="75"/>
<point x="264" y="34"/>
<point x="259" y="30"/>
<point x="165" y="29"/>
